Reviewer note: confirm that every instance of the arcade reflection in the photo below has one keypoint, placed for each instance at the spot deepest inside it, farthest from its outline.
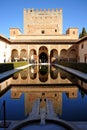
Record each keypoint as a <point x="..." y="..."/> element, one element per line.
<point x="42" y="75"/>
<point x="43" y="82"/>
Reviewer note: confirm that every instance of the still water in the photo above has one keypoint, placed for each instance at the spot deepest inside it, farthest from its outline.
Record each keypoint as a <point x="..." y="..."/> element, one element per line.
<point x="67" y="93"/>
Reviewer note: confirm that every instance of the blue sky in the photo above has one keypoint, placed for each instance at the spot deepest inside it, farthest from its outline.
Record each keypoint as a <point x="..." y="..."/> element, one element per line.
<point x="11" y="13"/>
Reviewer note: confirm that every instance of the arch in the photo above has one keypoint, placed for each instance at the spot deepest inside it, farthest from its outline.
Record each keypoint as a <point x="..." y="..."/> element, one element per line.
<point x="33" y="76"/>
<point x="33" y="52"/>
<point x="23" y="55"/>
<point x="24" y="74"/>
<point x="53" y="56"/>
<point x="63" y="55"/>
<point x="63" y="74"/>
<point x="85" y="58"/>
<point x="43" y="54"/>
<point x="15" y="76"/>
<point x="33" y="56"/>
<point x="14" y="55"/>
<point x="43" y="58"/>
<point x="73" y="55"/>
<point x="53" y="72"/>
<point x="33" y="72"/>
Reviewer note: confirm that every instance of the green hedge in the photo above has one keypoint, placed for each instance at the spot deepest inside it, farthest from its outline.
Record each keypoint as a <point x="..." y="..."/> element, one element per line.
<point x="9" y="66"/>
<point x="18" y="64"/>
<point x="78" y="66"/>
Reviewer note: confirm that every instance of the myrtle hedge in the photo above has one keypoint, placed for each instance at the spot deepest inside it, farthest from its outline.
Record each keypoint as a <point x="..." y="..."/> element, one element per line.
<point x="78" y="66"/>
<point x="9" y="66"/>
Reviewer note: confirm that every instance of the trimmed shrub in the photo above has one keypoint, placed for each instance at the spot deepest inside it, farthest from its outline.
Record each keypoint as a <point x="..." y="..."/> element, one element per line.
<point x="9" y="66"/>
<point x="78" y="66"/>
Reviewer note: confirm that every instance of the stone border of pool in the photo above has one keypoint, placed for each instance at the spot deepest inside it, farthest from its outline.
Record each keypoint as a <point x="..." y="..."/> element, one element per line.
<point x="73" y="71"/>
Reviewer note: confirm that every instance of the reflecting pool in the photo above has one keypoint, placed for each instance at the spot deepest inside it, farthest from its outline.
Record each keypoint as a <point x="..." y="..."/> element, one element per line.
<point x="67" y="93"/>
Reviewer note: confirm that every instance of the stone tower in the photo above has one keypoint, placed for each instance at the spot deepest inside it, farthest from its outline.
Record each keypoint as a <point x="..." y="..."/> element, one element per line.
<point x="42" y="22"/>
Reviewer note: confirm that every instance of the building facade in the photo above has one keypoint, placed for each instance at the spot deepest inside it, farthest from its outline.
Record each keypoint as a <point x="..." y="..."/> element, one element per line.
<point x="43" y="40"/>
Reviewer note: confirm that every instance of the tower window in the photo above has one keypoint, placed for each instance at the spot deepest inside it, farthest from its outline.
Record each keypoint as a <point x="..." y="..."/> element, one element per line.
<point x="42" y="31"/>
<point x="43" y="94"/>
<point x="55" y="30"/>
<point x="73" y="32"/>
<point x="55" y="95"/>
<point x="31" y="10"/>
<point x="82" y="46"/>
<point x="13" y="32"/>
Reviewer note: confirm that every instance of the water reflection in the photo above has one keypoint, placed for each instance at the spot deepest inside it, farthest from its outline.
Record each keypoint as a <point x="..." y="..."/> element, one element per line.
<point x="43" y="73"/>
<point x="53" y="93"/>
<point x="53" y="72"/>
<point x="24" y="74"/>
<point x="15" y="76"/>
<point x="45" y="82"/>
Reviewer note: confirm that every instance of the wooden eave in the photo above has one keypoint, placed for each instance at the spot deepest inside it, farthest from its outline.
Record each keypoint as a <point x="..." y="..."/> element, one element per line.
<point x="48" y="41"/>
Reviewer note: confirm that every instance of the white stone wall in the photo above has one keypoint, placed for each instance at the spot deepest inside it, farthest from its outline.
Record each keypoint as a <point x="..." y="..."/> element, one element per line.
<point x="4" y="52"/>
<point x="83" y="51"/>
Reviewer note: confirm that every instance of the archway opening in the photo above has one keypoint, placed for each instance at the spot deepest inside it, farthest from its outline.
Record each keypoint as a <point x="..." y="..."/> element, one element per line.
<point x="33" y="56"/>
<point x="43" y="54"/>
<point x="43" y="58"/>
<point x="14" y="55"/>
<point x="54" y="56"/>
<point x="73" y="56"/>
<point x="23" y="55"/>
<point x="63" y="55"/>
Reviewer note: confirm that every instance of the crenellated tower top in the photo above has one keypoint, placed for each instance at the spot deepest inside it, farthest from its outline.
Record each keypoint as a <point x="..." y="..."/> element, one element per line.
<point x="43" y="21"/>
<point x="43" y="10"/>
